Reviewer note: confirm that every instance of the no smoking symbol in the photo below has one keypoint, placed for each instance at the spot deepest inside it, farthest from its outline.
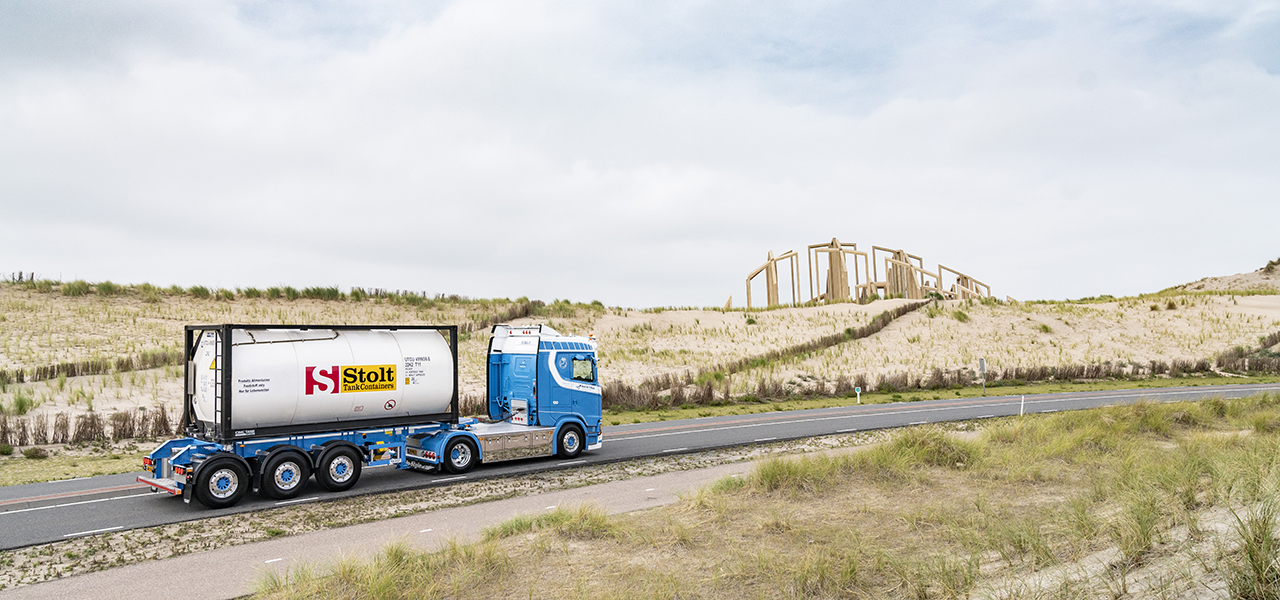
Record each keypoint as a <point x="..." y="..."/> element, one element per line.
<point x="390" y="404"/>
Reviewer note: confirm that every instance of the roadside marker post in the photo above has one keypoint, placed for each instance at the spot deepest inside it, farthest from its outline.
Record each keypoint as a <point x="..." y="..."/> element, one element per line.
<point x="1022" y="407"/>
<point x="858" y="391"/>
<point x="982" y="366"/>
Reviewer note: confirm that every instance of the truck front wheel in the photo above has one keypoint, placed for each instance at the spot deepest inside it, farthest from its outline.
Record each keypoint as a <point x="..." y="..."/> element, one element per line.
<point x="221" y="483"/>
<point x="285" y="475"/>
<point x="339" y="469"/>
<point x="570" y="441"/>
<point x="460" y="455"/>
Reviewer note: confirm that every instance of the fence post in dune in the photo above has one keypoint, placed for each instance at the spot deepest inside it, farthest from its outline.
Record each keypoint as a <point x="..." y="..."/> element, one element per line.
<point x="982" y="366"/>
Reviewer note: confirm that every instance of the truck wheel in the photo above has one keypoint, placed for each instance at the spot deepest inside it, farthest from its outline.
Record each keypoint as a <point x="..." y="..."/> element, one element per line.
<point x="285" y="475"/>
<point x="339" y="470"/>
<point x="221" y="483"/>
<point x="459" y="455"/>
<point x="569" y="443"/>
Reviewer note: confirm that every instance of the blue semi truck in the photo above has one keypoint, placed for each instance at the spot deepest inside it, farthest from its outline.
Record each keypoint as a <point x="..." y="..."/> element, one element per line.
<point x="266" y="407"/>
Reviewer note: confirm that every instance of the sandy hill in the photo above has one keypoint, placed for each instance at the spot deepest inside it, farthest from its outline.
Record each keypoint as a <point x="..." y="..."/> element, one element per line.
<point x="41" y="327"/>
<point x="1265" y="279"/>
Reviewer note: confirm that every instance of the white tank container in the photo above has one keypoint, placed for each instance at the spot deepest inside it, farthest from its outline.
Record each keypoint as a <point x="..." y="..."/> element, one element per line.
<point x="289" y="377"/>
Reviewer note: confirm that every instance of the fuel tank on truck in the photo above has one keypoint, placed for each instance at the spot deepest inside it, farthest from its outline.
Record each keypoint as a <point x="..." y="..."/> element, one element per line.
<point x="293" y="377"/>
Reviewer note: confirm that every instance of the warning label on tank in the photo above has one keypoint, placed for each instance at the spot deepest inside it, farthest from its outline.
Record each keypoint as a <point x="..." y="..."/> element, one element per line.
<point x="345" y="379"/>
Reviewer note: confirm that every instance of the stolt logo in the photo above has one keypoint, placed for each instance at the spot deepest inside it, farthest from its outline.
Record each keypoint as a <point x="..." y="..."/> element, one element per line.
<point x="358" y="378"/>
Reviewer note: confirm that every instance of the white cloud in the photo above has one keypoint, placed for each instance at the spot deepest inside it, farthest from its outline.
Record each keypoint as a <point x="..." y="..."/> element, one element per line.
<point x="639" y="154"/>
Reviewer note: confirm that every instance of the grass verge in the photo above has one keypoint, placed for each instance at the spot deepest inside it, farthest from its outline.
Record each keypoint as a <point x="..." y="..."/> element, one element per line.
<point x="1131" y="501"/>
<point x="69" y="462"/>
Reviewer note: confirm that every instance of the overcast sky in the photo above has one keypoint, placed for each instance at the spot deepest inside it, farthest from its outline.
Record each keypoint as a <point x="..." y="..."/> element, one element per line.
<point x="643" y="153"/>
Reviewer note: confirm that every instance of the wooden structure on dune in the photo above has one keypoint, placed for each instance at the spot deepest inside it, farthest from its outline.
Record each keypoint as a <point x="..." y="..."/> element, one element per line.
<point x="838" y="287"/>
<point x="904" y="276"/>
<point x="770" y="270"/>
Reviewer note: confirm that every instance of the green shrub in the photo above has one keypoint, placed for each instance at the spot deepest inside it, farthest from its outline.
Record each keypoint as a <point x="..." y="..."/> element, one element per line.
<point x="322" y="293"/>
<point x="225" y="294"/>
<point x="1255" y="574"/>
<point x="199" y="291"/>
<point x="35" y="453"/>
<point x="273" y="293"/>
<point x="22" y="403"/>
<point x="175" y="290"/>
<point x="587" y="521"/>
<point x="106" y="288"/>
<point x="252" y="292"/>
<point x="6" y="450"/>
<point x="932" y="447"/>
<point x="291" y="293"/>
<point x="78" y="287"/>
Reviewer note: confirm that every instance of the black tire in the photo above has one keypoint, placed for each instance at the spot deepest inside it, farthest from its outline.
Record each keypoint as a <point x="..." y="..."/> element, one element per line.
<point x="339" y="469"/>
<point x="285" y="475"/>
<point x="221" y="483"/>
<point x="460" y="455"/>
<point x="570" y="441"/>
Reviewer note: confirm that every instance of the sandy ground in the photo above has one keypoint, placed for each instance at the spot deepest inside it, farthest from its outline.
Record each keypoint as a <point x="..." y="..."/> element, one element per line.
<point x="1014" y="335"/>
<point x="40" y="329"/>
<point x="1257" y="280"/>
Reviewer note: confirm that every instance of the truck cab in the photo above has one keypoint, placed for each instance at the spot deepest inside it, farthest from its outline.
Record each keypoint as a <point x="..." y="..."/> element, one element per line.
<point x="540" y="378"/>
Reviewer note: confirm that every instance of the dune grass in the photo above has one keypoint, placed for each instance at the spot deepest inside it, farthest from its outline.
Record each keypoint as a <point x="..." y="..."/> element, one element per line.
<point x="1148" y="500"/>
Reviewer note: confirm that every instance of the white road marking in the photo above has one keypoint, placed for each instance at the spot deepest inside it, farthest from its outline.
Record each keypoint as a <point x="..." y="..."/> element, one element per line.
<point x="917" y="423"/>
<point x="425" y="530"/>
<point x="766" y="439"/>
<point x="454" y="478"/>
<point x="674" y="450"/>
<point x="295" y="501"/>
<point x="71" y="535"/>
<point x="273" y="560"/>
<point x="649" y="490"/>
<point x="985" y="417"/>
<point x="1048" y="410"/>
<point x="22" y="510"/>
<point x="847" y="430"/>
<point x="551" y="508"/>
<point x="572" y="462"/>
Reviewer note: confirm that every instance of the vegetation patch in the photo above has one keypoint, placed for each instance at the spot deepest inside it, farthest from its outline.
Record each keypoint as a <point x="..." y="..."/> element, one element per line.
<point x="1149" y="500"/>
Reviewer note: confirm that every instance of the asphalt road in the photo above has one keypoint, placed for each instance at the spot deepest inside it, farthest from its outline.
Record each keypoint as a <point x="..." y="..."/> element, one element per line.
<point x="110" y="503"/>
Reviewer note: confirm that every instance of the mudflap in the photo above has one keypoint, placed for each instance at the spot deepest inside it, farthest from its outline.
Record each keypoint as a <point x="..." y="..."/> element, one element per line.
<point x="186" y="492"/>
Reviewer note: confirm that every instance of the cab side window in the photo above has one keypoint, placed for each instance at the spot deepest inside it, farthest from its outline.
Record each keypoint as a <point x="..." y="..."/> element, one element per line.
<point x="584" y="370"/>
